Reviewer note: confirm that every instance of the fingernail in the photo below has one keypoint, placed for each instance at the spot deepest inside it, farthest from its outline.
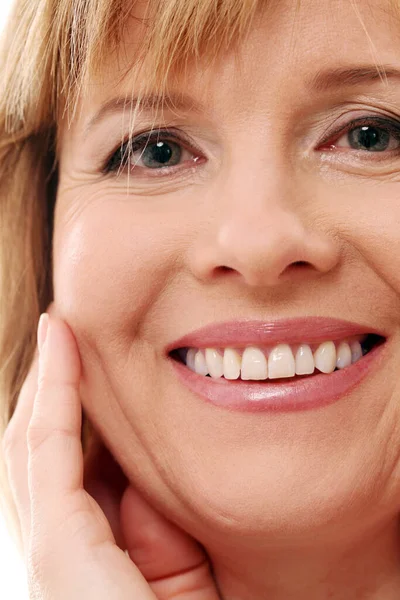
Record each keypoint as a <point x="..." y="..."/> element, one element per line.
<point x="42" y="330"/>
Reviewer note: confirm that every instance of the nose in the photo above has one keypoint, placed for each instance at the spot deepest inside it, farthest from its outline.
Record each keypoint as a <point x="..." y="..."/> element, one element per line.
<point x="262" y="238"/>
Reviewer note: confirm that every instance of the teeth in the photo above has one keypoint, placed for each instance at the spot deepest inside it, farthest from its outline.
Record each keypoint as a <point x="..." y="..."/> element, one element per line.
<point x="214" y="362"/>
<point x="325" y="357"/>
<point x="281" y="362"/>
<point x="200" y="365"/>
<point x="254" y="364"/>
<point x="356" y="351"/>
<point x="232" y="364"/>
<point x="343" y="356"/>
<point x="259" y="364"/>
<point x="304" y="360"/>
<point x="190" y="357"/>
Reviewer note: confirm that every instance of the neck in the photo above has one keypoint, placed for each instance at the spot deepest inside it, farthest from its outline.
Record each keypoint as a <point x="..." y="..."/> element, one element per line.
<point x="365" y="567"/>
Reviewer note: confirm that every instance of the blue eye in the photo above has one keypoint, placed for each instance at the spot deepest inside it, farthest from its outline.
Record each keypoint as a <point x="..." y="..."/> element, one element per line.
<point x="155" y="151"/>
<point x="373" y="139"/>
<point x="161" y="154"/>
<point x="368" y="134"/>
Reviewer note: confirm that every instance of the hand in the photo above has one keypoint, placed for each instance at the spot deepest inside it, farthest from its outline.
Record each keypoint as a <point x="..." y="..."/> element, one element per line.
<point x="69" y="543"/>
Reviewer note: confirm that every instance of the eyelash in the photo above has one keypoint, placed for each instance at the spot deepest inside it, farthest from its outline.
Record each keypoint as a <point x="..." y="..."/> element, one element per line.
<point x="140" y="142"/>
<point x="390" y="125"/>
<point x="115" y="163"/>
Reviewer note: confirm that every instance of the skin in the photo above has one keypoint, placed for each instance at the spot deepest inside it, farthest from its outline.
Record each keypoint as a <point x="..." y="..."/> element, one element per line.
<point x="86" y="532"/>
<point x="293" y="505"/>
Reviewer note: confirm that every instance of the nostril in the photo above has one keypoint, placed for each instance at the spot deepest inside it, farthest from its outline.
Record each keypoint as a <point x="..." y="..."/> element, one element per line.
<point x="222" y="270"/>
<point x="300" y="263"/>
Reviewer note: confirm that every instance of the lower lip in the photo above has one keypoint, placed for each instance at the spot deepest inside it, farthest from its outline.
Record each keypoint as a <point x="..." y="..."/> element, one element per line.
<point x="313" y="391"/>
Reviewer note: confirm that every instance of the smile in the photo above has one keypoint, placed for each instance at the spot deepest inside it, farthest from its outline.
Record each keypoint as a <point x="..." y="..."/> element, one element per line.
<point x="269" y="373"/>
<point x="281" y="361"/>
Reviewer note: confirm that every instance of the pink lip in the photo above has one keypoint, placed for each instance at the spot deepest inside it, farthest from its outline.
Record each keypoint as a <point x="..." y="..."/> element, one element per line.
<point x="301" y="393"/>
<point x="290" y="331"/>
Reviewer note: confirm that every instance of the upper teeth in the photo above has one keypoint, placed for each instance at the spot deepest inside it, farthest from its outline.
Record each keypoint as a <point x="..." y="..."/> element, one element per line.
<point x="254" y="363"/>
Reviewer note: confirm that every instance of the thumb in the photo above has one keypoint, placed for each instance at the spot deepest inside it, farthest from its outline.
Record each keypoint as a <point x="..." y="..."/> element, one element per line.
<point x="173" y="564"/>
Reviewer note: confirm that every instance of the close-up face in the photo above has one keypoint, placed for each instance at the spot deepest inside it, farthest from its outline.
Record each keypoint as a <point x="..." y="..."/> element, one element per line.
<point x="274" y="195"/>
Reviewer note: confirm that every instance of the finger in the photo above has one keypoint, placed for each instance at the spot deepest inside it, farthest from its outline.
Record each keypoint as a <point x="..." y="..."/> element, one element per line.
<point x="172" y="562"/>
<point x="72" y="551"/>
<point x="16" y="450"/>
<point x="54" y="444"/>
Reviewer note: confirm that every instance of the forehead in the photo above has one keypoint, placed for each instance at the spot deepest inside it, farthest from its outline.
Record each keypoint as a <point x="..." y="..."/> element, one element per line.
<point x="289" y="41"/>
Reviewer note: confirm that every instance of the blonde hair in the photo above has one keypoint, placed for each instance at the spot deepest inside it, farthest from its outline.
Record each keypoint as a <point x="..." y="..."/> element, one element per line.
<point x="50" y="50"/>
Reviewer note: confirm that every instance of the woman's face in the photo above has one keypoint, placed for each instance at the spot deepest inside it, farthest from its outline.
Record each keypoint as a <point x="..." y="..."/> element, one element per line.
<point x="274" y="168"/>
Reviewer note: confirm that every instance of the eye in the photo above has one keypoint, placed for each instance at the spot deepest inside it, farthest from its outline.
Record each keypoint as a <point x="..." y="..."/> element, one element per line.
<point x="160" y="154"/>
<point x="370" y="134"/>
<point x="154" y="151"/>
<point x="370" y="138"/>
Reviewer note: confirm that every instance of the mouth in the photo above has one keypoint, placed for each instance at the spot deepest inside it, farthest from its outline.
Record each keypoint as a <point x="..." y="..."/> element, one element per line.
<point x="295" y="375"/>
<point x="279" y="362"/>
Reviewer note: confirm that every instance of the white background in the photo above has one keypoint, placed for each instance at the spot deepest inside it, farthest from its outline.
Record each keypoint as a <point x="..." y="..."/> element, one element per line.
<point x="12" y="569"/>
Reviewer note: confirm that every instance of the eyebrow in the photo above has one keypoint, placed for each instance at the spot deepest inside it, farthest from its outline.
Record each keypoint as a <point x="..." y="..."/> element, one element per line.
<point x="325" y="80"/>
<point x="148" y="103"/>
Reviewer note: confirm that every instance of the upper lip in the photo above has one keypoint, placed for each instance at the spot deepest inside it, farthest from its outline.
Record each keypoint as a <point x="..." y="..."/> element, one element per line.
<point x="265" y="333"/>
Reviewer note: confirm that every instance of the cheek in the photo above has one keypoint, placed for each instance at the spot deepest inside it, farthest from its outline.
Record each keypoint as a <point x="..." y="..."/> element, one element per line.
<point x="110" y="266"/>
<point x="112" y="269"/>
<point x="368" y="219"/>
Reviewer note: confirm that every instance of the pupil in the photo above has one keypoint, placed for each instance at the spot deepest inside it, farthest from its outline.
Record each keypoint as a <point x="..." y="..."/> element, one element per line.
<point x="369" y="138"/>
<point x="161" y="153"/>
